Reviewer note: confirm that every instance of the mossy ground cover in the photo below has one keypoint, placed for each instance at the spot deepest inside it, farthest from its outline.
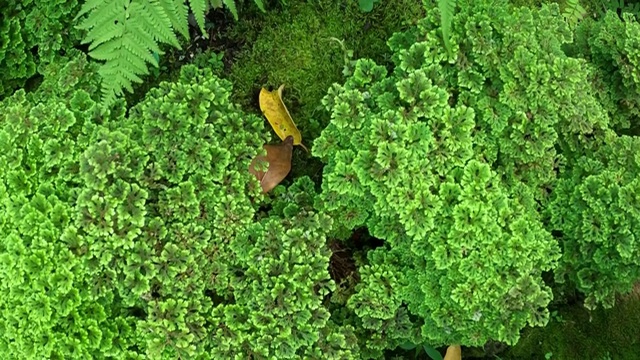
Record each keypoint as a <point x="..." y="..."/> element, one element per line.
<point x="303" y="45"/>
<point x="298" y="45"/>
<point x="576" y="333"/>
<point x="300" y="52"/>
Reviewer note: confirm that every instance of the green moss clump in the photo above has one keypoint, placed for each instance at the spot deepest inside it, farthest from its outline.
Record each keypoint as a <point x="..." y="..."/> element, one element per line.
<point x="293" y="46"/>
<point x="578" y="334"/>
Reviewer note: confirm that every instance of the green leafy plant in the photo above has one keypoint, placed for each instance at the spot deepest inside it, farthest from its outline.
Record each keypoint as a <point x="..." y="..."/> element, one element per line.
<point x="367" y="5"/>
<point x="48" y="309"/>
<point x="142" y="235"/>
<point x="631" y="7"/>
<point x="595" y="207"/>
<point x="573" y="11"/>
<point x="448" y="160"/>
<point x="33" y="34"/>
<point x="611" y="47"/>
<point x="126" y="34"/>
<point x="447" y="10"/>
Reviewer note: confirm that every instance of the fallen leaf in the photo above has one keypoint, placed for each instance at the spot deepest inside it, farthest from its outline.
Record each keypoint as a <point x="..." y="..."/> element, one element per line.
<point x="279" y="159"/>
<point x="454" y="352"/>
<point x="278" y="116"/>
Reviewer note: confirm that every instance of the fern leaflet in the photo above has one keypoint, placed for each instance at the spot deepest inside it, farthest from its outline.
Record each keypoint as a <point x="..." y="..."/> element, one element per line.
<point x="178" y="12"/>
<point x="260" y="5"/>
<point x="231" y="5"/>
<point x="573" y="11"/>
<point x="126" y="35"/>
<point x="198" y="8"/>
<point x="447" y="10"/>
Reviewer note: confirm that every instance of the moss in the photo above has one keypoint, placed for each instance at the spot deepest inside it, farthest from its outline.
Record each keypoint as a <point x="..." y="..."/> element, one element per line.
<point x="603" y="334"/>
<point x="291" y="45"/>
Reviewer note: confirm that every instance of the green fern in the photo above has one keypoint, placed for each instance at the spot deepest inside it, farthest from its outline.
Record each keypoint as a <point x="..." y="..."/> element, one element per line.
<point x="260" y="5"/>
<point x="447" y="10"/>
<point x="231" y="5"/>
<point x="126" y="35"/>
<point x="573" y="11"/>
<point x="199" y="9"/>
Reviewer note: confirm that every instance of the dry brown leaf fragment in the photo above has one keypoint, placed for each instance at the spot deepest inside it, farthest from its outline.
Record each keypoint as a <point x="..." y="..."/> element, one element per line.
<point x="279" y="159"/>
<point x="277" y="114"/>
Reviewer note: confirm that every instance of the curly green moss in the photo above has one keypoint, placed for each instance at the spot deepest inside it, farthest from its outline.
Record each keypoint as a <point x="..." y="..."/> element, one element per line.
<point x="33" y="33"/>
<point x="141" y="235"/>
<point x="448" y="159"/>
<point x="576" y="333"/>
<point x="47" y="310"/>
<point x="612" y="47"/>
<point x="595" y="207"/>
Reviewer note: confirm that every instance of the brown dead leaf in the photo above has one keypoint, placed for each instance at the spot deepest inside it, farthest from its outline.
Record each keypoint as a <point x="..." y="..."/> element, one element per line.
<point x="278" y="116"/>
<point x="279" y="159"/>
<point x="454" y="352"/>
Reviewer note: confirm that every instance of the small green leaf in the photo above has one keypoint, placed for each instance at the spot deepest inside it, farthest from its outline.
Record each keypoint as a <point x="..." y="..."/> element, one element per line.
<point x="432" y="352"/>
<point x="231" y="5"/>
<point x="408" y="346"/>
<point x="447" y="11"/>
<point x="366" y="5"/>
<point x="260" y="5"/>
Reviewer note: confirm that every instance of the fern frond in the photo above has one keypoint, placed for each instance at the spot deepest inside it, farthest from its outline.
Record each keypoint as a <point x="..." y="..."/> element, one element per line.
<point x="260" y="5"/>
<point x="125" y="34"/>
<point x="88" y="7"/>
<point x="133" y="42"/>
<point x="120" y="73"/>
<point x="110" y="32"/>
<point x="447" y="10"/>
<point x="178" y="12"/>
<point x="198" y="8"/>
<point x="231" y="5"/>
<point x="156" y="22"/>
<point x="573" y="11"/>
<point x="104" y="21"/>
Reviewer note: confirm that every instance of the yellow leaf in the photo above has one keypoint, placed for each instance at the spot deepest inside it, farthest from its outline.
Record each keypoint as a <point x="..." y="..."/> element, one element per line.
<point x="454" y="352"/>
<point x="278" y="116"/>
